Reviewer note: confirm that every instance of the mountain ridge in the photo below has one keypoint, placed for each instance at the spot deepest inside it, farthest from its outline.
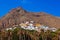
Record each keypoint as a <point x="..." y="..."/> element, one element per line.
<point x="18" y="15"/>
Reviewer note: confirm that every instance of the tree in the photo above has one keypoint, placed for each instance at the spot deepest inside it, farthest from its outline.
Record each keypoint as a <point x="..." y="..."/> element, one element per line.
<point x="14" y="34"/>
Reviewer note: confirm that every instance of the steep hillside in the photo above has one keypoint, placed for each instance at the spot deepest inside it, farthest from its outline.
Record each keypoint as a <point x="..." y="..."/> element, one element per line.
<point x="18" y="15"/>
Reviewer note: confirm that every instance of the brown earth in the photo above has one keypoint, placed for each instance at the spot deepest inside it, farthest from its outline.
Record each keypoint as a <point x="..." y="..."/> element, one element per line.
<point x="18" y="15"/>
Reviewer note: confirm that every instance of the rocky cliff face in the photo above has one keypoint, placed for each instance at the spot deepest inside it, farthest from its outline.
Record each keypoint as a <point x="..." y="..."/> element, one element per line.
<point x="18" y="15"/>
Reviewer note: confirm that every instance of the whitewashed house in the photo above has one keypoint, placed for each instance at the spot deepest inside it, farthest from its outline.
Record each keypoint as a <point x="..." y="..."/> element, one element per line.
<point x="30" y="27"/>
<point x="53" y="29"/>
<point x="9" y="29"/>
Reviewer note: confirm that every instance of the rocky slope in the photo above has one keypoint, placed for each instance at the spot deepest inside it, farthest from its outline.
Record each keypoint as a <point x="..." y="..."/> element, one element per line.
<point x="18" y="15"/>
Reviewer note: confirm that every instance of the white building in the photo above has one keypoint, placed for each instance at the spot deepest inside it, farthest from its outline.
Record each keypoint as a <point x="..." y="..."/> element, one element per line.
<point x="53" y="29"/>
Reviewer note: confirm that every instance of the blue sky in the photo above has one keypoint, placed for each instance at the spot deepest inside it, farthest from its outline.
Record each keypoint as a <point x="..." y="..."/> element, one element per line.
<point x="50" y="6"/>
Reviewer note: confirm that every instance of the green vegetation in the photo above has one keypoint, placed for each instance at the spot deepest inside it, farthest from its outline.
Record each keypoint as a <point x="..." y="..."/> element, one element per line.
<point x="22" y="34"/>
